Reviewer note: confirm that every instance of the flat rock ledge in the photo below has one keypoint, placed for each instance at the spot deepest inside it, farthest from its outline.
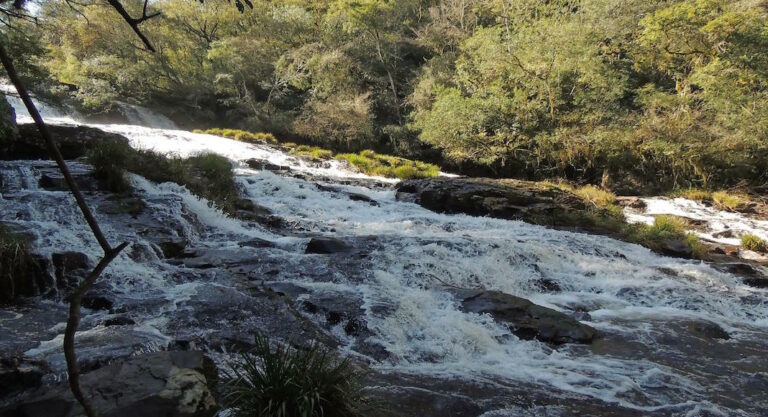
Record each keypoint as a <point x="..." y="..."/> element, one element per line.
<point x="168" y="384"/>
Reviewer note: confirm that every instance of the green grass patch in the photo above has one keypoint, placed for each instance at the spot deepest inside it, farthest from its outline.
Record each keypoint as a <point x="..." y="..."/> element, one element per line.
<point x="732" y="201"/>
<point x="311" y="152"/>
<point x="240" y="135"/>
<point x="695" y="194"/>
<point x="14" y="254"/>
<point x="596" y="196"/>
<point x="207" y="175"/>
<point x="754" y="243"/>
<point x="285" y="382"/>
<point x="372" y="163"/>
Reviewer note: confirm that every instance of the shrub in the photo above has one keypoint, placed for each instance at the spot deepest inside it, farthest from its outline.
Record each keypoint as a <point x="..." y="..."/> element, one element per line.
<point x="14" y="253"/>
<point x="283" y="382"/>
<point x="208" y="176"/>
<point x="754" y="243"/>
<point x="730" y="201"/>
<point x="596" y="196"/>
<point x="109" y="160"/>
<point x="667" y="227"/>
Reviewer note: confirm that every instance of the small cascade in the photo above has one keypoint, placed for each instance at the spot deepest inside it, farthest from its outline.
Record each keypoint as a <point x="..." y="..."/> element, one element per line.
<point x="396" y="289"/>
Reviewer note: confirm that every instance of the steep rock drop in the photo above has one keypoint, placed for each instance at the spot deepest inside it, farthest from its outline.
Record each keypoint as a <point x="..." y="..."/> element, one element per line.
<point x="380" y="283"/>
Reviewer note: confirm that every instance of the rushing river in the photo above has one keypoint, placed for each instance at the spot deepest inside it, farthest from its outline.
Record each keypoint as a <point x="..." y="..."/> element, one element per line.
<point x="646" y="362"/>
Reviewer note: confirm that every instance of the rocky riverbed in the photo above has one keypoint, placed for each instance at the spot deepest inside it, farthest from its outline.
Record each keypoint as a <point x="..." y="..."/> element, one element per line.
<point x="454" y="313"/>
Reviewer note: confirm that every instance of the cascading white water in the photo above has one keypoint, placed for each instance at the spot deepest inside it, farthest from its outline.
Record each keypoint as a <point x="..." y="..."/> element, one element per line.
<point x="630" y="293"/>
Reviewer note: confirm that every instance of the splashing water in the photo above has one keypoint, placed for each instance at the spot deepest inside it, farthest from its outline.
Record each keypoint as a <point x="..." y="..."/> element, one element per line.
<point x="640" y="302"/>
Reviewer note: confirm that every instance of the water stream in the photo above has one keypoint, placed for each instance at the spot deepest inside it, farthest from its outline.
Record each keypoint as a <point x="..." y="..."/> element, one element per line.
<point x="646" y="362"/>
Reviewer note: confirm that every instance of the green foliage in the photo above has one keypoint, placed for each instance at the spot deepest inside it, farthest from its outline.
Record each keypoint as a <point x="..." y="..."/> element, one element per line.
<point x="241" y="135"/>
<point x="283" y="382"/>
<point x="755" y="243"/>
<point x="372" y="163"/>
<point x="731" y="201"/>
<point x="14" y="253"/>
<point x="596" y="196"/>
<point x="312" y="152"/>
<point x="109" y="160"/>
<point x="636" y="96"/>
<point x="694" y="194"/>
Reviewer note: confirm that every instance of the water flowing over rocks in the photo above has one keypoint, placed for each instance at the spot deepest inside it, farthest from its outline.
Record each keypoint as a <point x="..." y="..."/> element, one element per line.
<point x="668" y="336"/>
<point x="528" y="320"/>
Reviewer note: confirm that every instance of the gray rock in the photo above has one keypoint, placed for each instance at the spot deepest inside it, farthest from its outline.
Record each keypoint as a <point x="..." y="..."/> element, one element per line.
<point x="676" y="247"/>
<point x="168" y="384"/>
<point x="528" y="320"/>
<point x="327" y="245"/>
<point x="708" y="330"/>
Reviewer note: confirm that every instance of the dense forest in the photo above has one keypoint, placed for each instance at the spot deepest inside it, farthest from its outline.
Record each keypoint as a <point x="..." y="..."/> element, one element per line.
<point x="620" y="93"/>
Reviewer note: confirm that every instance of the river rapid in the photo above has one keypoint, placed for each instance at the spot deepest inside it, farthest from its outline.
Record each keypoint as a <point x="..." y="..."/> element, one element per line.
<point x="390" y="303"/>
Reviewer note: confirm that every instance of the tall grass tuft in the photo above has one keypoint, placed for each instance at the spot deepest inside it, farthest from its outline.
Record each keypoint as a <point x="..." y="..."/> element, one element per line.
<point x="754" y="243"/>
<point x="14" y="253"/>
<point x="283" y="382"/>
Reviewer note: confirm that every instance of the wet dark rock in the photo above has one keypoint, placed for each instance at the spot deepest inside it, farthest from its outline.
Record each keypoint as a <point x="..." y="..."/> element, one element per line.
<point x="633" y="202"/>
<point x="97" y="302"/>
<point x="173" y="249"/>
<point x="17" y="374"/>
<point x="760" y="282"/>
<point x="69" y="267"/>
<point x="73" y="141"/>
<point x="724" y="234"/>
<point x="257" y="243"/>
<point x="507" y="199"/>
<point x="740" y="269"/>
<point x="677" y="248"/>
<point x="528" y="320"/>
<point x="708" y="330"/>
<point x="355" y="327"/>
<point x="57" y="183"/>
<point x="34" y="281"/>
<point x="264" y="165"/>
<point x="169" y="384"/>
<point x="548" y="285"/>
<point x="327" y="245"/>
<point x="363" y="198"/>
<point x="132" y="206"/>
<point x="119" y="321"/>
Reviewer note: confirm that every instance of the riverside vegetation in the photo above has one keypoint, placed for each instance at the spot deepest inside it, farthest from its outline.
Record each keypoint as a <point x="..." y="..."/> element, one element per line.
<point x="636" y="96"/>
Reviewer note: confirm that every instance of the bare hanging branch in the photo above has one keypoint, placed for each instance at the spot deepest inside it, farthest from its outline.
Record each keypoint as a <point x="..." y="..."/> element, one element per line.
<point x="135" y="22"/>
<point x="73" y="320"/>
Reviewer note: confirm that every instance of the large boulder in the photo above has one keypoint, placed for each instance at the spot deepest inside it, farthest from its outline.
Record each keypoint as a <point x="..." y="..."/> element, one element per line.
<point x="73" y="141"/>
<point x="168" y="384"/>
<point x="327" y="245"/>
<point x="503" y="198"/>
<point x="528" y="320"/>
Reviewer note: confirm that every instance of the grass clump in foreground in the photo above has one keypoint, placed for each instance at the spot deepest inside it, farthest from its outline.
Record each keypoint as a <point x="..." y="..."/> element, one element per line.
<point x="754" y="243"/>
<point x="14" y="253"/>
<point x="207" y="175"/>
<point x="283" y="382"/>
<point x="240" y="135"/>
<point x="372" y="163"/>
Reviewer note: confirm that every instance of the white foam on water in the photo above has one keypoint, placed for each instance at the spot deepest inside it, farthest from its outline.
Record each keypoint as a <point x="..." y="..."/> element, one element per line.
<point x="419" y="257"/>
<point x="718" y="221"/>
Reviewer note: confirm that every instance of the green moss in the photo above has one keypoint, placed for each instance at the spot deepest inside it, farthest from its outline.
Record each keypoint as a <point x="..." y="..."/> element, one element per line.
<point x="109" y="160"/>
<point x="312" y="152"/>
<point x="285" y="382"/>
<point x="754" y="243"/>
<point x="372" y="163"/>
<point x="240" y="135"/>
